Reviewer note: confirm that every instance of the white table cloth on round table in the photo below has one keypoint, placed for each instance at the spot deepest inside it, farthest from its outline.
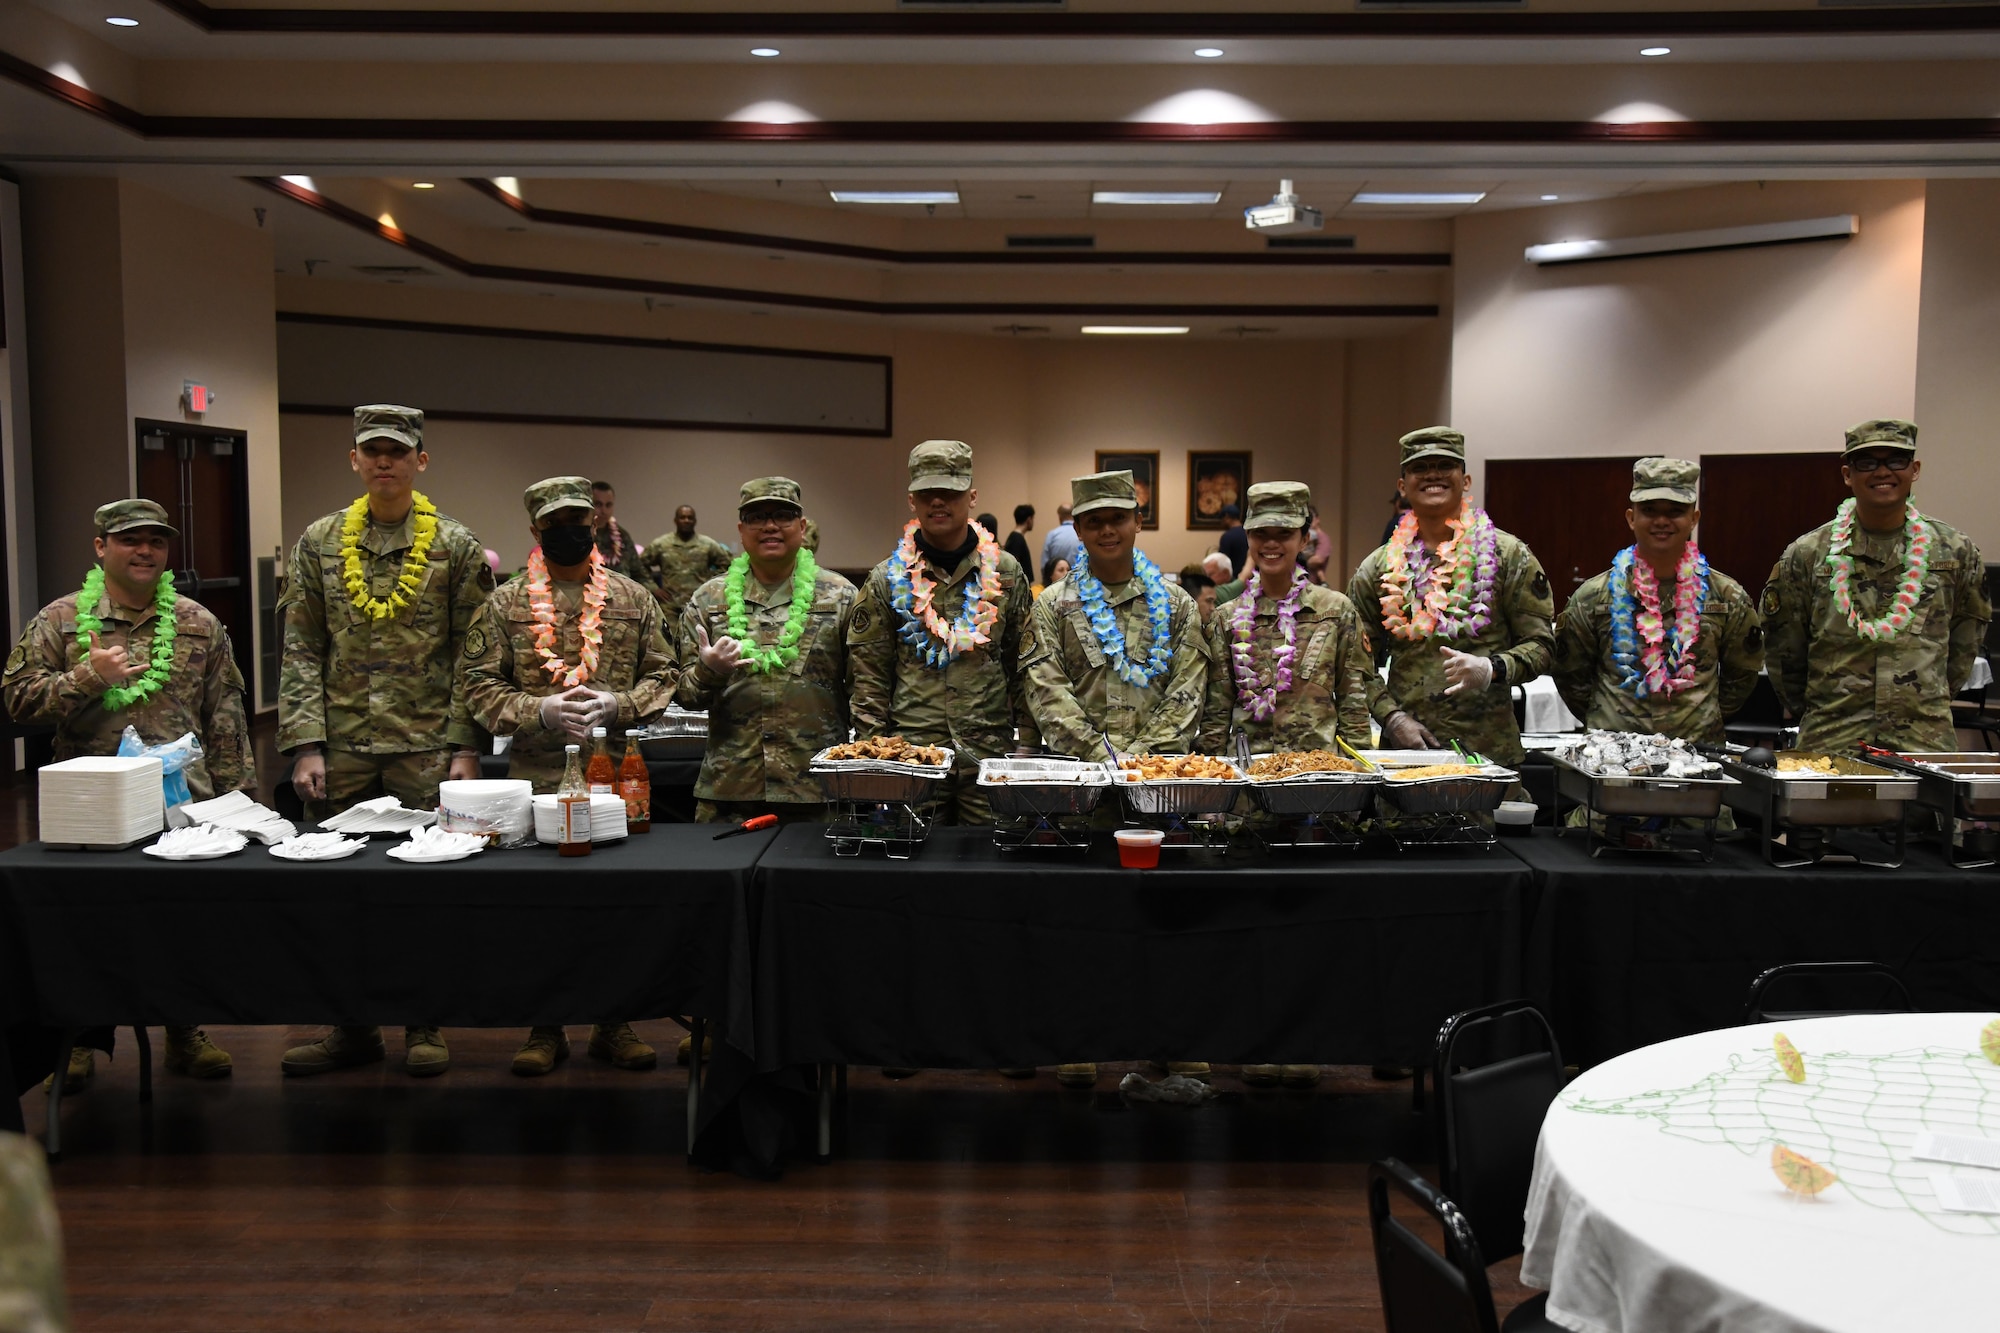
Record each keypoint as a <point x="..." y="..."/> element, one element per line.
<point x="1654" y="1207"/>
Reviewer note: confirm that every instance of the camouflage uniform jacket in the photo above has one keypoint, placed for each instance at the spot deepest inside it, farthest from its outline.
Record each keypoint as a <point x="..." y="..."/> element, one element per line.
<point x="764" y="729"/>
<point x="1078" y="701"/>
<point x="1895" y="692"/>
<point x="1520" y="633"/>
<point x="615" y="544"/>
<point x="675" y="568"/>
<point x="504" y="681"/>
<point x="1727" y="657"/>
<point x="1330" y="676"/>
<point x="378" y="686"/>
<point x="49" y="679"/>
<point x="974" y="703"/>
<point x="32" y="1298"/>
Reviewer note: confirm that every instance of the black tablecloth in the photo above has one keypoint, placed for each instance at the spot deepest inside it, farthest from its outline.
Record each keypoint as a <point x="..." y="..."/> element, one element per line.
<point x="643" y="928"/>
<point x="1629" y="949"/>
<point x="965" y="956"/>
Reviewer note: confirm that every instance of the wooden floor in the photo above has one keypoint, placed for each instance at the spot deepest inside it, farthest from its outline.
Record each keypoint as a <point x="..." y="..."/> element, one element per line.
<point x="367" y="1200"/>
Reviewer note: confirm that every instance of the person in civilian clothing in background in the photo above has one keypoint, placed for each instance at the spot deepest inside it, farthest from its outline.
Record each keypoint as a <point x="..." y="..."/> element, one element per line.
<point x="1234" y="541"/>
<point x="1061" y="540"/>
<point x="1016" y="544"/>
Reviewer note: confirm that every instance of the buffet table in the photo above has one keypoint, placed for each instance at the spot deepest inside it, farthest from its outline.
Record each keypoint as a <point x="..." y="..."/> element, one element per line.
<point x="1629" y="949"/>
<point x="1655" y="1208"/>
<point x="966" y="956"/>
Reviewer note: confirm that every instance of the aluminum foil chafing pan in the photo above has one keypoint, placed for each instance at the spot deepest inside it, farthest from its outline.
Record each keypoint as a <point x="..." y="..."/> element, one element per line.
<point x="1629" y="794"/>
<point x="1325" y="793"/>
<point x="1180" y="796"/>
<point x="1856" y="794"/>
<point x="675" y="735"/>
<point x="1043" y="787"/>
<point x="878" y="780"/>
<point x="1467" y="793"/>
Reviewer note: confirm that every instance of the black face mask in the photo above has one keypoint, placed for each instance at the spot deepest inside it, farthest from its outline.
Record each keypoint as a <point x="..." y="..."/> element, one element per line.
<point x="567" y="543"/>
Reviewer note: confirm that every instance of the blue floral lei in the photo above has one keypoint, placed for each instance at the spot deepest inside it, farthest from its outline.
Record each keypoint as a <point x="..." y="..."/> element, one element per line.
<point x="912" y="631"/>
<point x="1625" y="622"/>
<point x="1159" y="604"/>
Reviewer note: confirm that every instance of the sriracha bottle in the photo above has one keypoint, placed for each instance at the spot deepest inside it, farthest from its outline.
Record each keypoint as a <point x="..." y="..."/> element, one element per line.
<point x="636" y="786"/>
<point x="602" y="775"/>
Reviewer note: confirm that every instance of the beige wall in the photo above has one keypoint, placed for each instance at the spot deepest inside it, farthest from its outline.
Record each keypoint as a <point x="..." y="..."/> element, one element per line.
<point x="130" y="293"/>
<point x="1758" y="350"/>
<point x="1958" y="358"/>
<point x="1396" y="385"/>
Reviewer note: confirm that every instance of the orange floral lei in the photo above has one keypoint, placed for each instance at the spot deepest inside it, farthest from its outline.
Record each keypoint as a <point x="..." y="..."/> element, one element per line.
<point x="939" y="640"/>
<point x="590" y="625"/>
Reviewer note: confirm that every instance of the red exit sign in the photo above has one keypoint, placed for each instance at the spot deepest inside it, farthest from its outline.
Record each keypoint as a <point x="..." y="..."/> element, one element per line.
<point x="196" y="396"/>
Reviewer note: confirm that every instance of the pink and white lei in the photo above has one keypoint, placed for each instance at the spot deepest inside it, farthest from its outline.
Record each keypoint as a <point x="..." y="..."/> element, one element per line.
<point x="1258" y="693"/>
<point x="590" y="625"/>
<point x="1917" y="560"/>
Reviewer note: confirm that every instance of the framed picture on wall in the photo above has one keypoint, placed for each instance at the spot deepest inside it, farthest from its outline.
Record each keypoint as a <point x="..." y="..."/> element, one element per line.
<point x="1215" y="478"/>
<point x="1145" y="470"/>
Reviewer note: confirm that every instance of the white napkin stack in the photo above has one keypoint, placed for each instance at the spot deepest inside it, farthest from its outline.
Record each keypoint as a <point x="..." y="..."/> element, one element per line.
<point x="235" y="810"/>
<point x="100" y="801"/>
<point x="607" y="819"/>
<point x="384" y="814"/>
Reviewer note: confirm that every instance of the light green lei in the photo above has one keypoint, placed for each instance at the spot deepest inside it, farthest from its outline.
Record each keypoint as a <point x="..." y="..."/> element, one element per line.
<point x="88" y="626"/>
<point x="786" y="650"/>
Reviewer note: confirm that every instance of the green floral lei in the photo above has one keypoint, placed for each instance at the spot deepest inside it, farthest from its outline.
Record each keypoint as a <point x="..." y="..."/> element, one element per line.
<point x="88" y="627"/>
<point x="786" y="650"/>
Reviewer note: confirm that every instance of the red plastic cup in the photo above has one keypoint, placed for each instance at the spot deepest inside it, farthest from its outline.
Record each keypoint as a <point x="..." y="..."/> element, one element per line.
<point x="1139" y="848"/>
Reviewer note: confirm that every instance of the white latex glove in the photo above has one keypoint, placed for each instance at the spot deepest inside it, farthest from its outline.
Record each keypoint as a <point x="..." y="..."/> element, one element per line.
<point x="552" y="712"/>
<point x="1465" y="671"/>
<point x="722" y="656"/>
<point x="599" y="708"/>
<point x="571" y="711"/>
<point x="1403" y="732"/>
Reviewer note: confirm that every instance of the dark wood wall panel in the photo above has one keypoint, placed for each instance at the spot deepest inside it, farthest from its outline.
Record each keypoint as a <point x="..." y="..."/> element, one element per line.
<point x="1570" y="511"/>
<point x="1752" y="505"/>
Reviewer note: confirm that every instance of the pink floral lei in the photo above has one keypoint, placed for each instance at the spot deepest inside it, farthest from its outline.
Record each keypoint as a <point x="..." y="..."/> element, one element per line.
<point x="590" y="625"/>
<point x="1259" y="693"/>
<point x="1459" y="599"/>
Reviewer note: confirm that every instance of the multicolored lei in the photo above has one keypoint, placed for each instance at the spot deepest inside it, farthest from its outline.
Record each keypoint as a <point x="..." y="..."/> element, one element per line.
<point x="1457" y="586"/>
<point x="912" y="592"/>
<point x="1653" y="657"/>
<point x="1258" y="691"/>
<point x="1917" y="562"/>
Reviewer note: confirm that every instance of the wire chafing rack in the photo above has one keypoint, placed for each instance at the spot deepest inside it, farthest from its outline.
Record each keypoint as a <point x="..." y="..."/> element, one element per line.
<point x="1192" y="812"/>
<point x="1313" y="811"/>
<point x="1042" y="804"/>
<point x="876" y="802"/>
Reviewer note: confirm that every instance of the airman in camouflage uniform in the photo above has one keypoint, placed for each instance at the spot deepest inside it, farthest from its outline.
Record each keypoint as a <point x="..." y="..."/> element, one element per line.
<point x="373" y="707"/>
<point x="614" y="543"/>
<point x="1078" y="701"/>
<point x="53" y="675"/>
<point x="32" y="1299"/>
<point x="972" y="703"/>
<point x="1456" y="689"/>
<point x="765" y="727"/>
<point x="1328" y="699"/>
<point x="1895" y="690"/>
<point x="1728" y="654"/>
<point x="511" y="692"/>
<point x="678" y="562"/>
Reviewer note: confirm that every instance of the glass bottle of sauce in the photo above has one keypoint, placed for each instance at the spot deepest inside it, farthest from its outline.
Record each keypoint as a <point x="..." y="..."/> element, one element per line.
<point x="635" y="785"/>
<point x="573" y="806"/>
<point x="602" y="774"/>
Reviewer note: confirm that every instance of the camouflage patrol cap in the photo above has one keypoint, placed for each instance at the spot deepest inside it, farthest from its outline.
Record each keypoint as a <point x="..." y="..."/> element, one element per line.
<point x="1433" y="442"/>
<point x="1883" y="433"/>
<point x="551" y="494"/>
<point x="1666" y="479"/>
<point x="778" y="490"/>
<point x="387" y="421"/>
<point x="1102" y="490"/>
<point x="941" y="465"/>
<point x="124" y="515"/>
<point x="1279" y="504"/>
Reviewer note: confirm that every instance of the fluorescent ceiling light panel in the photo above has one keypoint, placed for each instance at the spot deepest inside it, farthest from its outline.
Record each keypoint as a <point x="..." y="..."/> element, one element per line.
<point x="1156" y="197"/>
<point x="1133" y="330"/>
<point x="1686" y="242"/>
<point x="1419" y="198"/>
<point x="303" y="182"/>
<point x="423" y="185"/>
<point x="894" y="196"/>
<point x="1209" y="52"/>
<point x="1656" y="50"/>
<point x="765" y="52"/>
<point x="122" y="22"/>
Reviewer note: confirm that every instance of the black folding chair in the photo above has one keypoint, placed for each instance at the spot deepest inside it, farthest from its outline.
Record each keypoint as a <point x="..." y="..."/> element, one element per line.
<point x="142" y="1045"/>
<point x="1490" y="1111"/>
<point x="1837" y="988"/>
<point x="1424" y="1291"/>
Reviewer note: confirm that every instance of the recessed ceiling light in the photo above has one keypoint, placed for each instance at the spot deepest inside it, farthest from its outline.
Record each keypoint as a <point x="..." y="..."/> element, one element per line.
<point x="1419" y="197"/>
<point x="122" y="22"/>
<point x="765" y="51"/>
<point x="1548" y="198"/>
<point x="1656" y="50"/>
<point x="894" y="196"/>
<point x="1209" y="52"/>
<point x="1124" y="330"/>
<point x="423" y="185"/>
<point x="1156" y="197"/>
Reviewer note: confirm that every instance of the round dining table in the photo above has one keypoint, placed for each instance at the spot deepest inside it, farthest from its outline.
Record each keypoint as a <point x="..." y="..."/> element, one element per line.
<point x="1658" y="1203"/>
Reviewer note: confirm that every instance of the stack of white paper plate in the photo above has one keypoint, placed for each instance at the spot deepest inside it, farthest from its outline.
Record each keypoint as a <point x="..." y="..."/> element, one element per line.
<point x="101" y="801"/>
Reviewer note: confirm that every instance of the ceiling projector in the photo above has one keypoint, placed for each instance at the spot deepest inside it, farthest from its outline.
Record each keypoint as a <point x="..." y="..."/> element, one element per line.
<point x="1283" y="216"/>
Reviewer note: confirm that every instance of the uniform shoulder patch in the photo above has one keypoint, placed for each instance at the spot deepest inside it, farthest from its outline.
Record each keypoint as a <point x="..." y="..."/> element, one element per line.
<point x="1540" y="587"/>
<point x="1772" y="600"/>
<point x="1754" y="640"/>
<point x="475" y="642"/>
<point x="17" y="659"/>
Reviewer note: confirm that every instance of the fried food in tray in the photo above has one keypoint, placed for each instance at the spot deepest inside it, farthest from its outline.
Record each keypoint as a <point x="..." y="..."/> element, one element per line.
<point x="1808" y="763"/>
<point x="884" y="750"/>
<point x="1177" y="768"/>
<point x="1300" y="763"/>
<point x="1434" y="771"/>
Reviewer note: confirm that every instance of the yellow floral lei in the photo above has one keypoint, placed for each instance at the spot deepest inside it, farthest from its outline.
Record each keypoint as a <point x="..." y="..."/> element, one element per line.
<point x="412" y="577"/>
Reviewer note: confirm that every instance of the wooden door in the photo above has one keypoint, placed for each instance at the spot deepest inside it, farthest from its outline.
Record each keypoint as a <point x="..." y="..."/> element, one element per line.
<point x="201" y="476"/>
<point x="1753" y="505"/>
<point x="1570" y="512"/>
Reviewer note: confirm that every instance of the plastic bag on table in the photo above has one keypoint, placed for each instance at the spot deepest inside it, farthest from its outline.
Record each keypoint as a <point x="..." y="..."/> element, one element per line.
<point x="174" y="757"/>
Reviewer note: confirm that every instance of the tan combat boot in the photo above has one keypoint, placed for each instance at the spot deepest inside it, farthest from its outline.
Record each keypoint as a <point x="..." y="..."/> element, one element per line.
<point x="541" y="1052"/>
<point x="77" y="1076"/>
<point x="686" y="1048"/>
<point x="190" y="1052"/>
<point x="424" y="1052"/>
<point x="338" y="1049"/>
<point x="1300" y="1076"/>
<point x="619" y="1044"/>
<point x="1261" y="1076"/>
<point x="1076" y="1076"/>
<point x="1196" y="1069"/>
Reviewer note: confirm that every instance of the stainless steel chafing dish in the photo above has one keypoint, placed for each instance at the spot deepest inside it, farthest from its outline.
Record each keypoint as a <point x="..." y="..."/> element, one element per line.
<point x="1641" y="795"/>
<point x="1857" y="794"/>
<point x="1963" y="787"/>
